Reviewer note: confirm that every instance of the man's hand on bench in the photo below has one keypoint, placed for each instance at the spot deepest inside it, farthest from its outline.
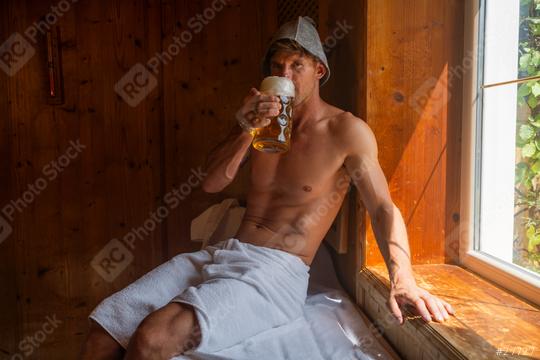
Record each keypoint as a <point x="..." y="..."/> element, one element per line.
<point x="405" y="291"/>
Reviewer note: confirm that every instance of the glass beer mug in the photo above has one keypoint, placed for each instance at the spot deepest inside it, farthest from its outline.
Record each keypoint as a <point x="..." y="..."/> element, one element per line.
<point x="276" y="137"/>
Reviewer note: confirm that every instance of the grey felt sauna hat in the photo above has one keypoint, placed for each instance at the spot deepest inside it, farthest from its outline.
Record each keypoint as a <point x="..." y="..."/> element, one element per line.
<point x="302" y="31"/>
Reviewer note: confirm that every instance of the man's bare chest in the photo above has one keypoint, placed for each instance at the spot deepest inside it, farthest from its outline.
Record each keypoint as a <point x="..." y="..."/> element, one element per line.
<point x="309" y="167"/>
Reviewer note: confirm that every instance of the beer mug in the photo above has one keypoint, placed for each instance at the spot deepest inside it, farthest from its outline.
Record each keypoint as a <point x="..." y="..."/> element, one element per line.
<point x="276" y="137"/>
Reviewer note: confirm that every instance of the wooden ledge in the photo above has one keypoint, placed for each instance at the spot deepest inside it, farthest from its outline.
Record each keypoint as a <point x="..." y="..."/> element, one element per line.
<point x="490" y="323"/>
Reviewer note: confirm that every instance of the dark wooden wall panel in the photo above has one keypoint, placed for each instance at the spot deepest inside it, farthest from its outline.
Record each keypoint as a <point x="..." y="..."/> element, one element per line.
<point x="111" y="186"/>
<point x="203" y="88"/>
<point x="11" y="311"/>
<point x="343" y="31"/>
<point x="414" y="109"/>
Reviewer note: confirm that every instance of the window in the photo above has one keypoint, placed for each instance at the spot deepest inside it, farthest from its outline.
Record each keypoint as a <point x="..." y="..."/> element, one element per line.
<point x="502" y="145"/>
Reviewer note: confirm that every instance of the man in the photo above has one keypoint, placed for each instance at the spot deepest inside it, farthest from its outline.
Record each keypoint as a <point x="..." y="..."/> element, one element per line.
<point x="258" y="279"/>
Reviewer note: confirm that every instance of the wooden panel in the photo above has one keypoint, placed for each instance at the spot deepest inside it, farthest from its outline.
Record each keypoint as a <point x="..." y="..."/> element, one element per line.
<point x="338" y="234"/>
<point x="121" y="165"/>
<point x="110" y="187"/>
<point x="8" y="244"/>
<point x="203" y="87"/>
<point x="489" y="322"/>
<point x="29" y="237"/>
<point x="414" y="53"/>
<point x="342" y="27"/>
<point x="343" y="33"/>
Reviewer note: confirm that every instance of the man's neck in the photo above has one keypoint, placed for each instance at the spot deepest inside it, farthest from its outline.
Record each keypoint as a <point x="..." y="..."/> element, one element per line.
<point x="308" y="111"/>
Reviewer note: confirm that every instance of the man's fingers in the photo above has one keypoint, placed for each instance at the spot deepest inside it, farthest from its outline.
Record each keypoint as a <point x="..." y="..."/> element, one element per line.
<point x="449" y="308"/>
<point x="252" y="93"/>
<point x="442" y="309"/>
<point x="268" y="106"/>
<point x="267" y="98"/>
<point x="264" y="122"/>
<point x="421" y="308"/>
<point x="258" y="108"/>
<point x="259" y="102"/>
<point x="433" y="307"/>
<point x="394" y="308"/>
<point x="249" y="115"/>
<point x="260" y="122"/>
<point x="268" y="113"/>
<point x="262" y="98"/>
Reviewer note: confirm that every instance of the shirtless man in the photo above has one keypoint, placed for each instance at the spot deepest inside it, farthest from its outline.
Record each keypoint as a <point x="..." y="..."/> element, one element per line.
<point x="293" y="198"/>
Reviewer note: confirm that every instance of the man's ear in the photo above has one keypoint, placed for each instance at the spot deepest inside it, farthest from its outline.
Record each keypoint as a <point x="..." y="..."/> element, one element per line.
<point x="320" y="70"/>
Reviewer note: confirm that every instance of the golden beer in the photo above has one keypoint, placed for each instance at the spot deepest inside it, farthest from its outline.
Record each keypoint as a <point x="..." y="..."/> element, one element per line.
<point x="276" y="137"/>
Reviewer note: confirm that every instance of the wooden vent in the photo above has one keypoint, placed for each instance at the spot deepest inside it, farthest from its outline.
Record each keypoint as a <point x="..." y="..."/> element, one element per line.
<point x="291" y="9"/>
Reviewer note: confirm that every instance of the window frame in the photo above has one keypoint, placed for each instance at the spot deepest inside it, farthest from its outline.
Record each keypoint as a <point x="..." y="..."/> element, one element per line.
<point x="499" y="272"/>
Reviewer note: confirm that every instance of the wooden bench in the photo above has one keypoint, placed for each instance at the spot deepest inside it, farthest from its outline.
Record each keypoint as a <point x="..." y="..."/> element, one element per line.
<point x="490" y="323"/>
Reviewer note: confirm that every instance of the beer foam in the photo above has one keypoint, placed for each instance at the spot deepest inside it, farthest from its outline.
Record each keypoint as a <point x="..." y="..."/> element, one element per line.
<point x="277" y="85"/>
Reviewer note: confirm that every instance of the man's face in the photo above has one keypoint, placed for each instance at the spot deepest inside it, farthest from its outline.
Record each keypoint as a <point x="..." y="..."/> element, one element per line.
<point x="304" y="72"/>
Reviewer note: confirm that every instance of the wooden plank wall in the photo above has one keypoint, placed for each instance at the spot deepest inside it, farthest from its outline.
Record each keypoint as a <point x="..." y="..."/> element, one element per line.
<point x="132" y="157"/>
<point x="109" y="187"/>
<point x="414" y="69"/>
<point x="203" y="88"/>
<point x="343" y="32"/>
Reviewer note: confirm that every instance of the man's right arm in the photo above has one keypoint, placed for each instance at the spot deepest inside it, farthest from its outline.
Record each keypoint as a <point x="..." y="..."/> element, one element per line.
<point x="225" y="160"/>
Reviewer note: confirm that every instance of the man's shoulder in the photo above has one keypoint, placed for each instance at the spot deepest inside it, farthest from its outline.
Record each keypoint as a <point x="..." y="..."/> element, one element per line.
<point x="347" y="126"/>
<point x="353" y="135"/>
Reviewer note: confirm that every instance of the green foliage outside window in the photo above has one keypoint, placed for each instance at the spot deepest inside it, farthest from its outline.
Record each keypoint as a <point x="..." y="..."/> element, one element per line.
<point x="527" y="180"/>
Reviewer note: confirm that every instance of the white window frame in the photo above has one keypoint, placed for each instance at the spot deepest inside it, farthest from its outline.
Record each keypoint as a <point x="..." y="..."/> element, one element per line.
<point x="505" y="275"/>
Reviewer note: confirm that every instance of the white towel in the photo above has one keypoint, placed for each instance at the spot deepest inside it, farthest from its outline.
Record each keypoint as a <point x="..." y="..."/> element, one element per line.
<point x="237" y="289"/>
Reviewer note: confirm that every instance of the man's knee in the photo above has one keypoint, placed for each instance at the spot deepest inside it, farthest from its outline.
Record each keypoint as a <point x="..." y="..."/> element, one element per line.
<point x="166" y="331"/>
<point x="147" y="339"/>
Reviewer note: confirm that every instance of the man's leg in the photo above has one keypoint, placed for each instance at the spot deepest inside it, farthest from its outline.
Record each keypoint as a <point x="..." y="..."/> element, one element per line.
<point x="99" y="345"/>
<point x="165" y="333"/>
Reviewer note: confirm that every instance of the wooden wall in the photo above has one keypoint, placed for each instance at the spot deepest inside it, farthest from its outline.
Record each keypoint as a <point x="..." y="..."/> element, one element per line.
<point x="343" y="25"/>
<point x="400" y="69"/>
<point x="106" y="189"/>
<point x="414" y="70"/>
<point x="203" y="88"/>
<point x="133" y="156"/>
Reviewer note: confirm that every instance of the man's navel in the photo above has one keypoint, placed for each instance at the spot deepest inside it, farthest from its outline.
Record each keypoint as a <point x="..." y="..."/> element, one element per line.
<point x="306" y="188"/>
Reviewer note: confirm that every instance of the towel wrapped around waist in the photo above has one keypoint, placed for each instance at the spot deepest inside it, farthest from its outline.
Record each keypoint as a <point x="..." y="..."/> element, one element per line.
<point x="237" y="290"/>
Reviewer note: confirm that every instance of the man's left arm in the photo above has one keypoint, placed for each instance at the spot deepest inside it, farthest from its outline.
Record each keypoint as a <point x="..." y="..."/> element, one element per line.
<point x="387" y="222"/>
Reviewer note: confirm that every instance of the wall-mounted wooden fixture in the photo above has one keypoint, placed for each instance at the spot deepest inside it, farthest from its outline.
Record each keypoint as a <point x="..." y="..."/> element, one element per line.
<point x="55" y="88"/>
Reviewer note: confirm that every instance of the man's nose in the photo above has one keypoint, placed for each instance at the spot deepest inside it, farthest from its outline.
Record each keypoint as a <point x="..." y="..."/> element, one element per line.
<point x="286" y="72"/>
